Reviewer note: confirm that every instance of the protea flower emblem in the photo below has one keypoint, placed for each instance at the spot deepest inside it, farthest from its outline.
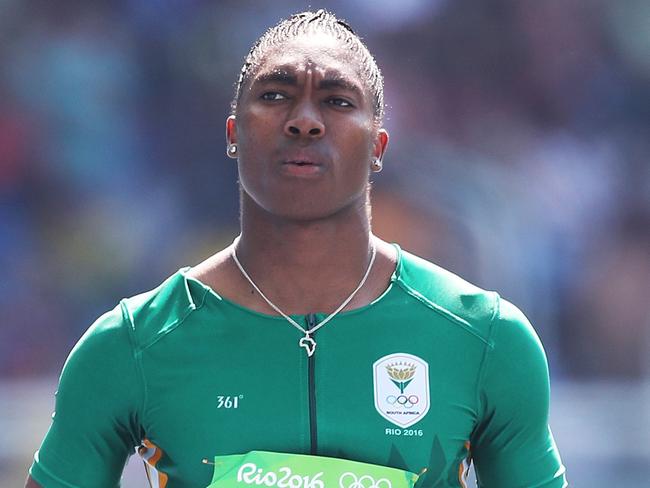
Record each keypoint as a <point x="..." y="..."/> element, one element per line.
<point x="401" y="374"/>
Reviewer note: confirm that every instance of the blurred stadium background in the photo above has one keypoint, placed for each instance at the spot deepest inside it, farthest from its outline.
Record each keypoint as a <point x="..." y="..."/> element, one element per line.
<point x="519" y="158"/>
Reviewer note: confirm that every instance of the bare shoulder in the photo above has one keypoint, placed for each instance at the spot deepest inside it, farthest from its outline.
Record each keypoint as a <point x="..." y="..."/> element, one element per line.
<point x="220" y="274"/>
<point x="213" y="266"/>
<point x="386" y="257"/>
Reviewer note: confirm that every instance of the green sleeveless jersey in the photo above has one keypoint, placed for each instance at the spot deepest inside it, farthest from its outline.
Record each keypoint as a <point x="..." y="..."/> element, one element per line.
<point x="434" y="373"/>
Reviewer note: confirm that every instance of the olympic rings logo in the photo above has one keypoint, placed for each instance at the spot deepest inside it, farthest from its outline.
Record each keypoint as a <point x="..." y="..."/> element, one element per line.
<point x="365" y="481"/>
<point x="403" y="400"/>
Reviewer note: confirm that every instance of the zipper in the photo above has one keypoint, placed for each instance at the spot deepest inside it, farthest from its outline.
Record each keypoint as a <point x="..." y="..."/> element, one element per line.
<point x="311" y="379"/>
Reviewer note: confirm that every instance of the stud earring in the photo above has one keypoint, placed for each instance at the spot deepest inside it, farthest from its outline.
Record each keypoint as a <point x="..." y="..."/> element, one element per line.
<point x="231" y="151"/>
<point x="376" y="165"/>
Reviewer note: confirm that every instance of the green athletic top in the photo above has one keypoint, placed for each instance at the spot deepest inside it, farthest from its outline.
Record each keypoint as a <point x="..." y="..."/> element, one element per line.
<point x="432" y="372"/>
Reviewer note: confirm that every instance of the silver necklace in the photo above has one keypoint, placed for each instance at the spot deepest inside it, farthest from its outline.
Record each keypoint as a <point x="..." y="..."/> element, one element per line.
<point x="307" y="341"/>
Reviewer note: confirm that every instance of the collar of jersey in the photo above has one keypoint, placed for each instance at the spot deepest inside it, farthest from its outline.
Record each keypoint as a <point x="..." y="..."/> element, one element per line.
<point x="197" y="292"/>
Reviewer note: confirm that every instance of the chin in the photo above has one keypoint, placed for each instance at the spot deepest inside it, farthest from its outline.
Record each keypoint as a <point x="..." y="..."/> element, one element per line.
<point x="304" y="207"/>
<point x="314" y="211"/>
<point x="303" y="212"/>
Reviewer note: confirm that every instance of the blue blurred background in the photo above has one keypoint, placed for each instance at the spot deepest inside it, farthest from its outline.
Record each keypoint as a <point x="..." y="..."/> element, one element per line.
<point x="519" y="158"/>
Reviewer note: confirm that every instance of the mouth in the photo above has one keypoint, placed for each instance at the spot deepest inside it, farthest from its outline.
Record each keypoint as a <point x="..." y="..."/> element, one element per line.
<point x="302" y="162"/>
<point x="302" y="167"/>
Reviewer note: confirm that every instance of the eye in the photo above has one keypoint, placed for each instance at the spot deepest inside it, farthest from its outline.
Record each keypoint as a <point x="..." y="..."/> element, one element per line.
<point x="272" y="96"/>
<point x="340" y="102"/>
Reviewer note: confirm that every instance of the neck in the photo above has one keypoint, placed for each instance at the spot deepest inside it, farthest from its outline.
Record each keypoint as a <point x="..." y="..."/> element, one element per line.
<point x="306" y="265"/>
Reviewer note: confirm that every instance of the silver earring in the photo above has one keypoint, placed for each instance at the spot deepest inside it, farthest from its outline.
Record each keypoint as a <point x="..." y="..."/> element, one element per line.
<point x="231" y="151"/>
<point x="376" y="165"/>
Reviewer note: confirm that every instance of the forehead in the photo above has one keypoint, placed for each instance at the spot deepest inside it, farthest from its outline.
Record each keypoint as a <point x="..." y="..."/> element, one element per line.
<point x="321" y="53"/>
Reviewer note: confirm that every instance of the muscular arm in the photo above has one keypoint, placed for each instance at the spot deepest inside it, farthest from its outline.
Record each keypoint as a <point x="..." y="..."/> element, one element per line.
<point x="513" y="445"/>
<point x="95" y="425"/>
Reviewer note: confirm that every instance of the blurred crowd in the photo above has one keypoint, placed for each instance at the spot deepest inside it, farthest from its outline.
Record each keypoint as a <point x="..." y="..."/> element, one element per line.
<point x="519" y="158"/>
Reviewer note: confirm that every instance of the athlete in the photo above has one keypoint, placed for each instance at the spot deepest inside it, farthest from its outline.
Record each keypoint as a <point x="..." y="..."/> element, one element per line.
<point x="308" y="335"/>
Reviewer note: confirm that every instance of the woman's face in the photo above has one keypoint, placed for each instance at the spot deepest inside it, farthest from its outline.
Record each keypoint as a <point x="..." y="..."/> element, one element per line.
<point x="306" y="131"/>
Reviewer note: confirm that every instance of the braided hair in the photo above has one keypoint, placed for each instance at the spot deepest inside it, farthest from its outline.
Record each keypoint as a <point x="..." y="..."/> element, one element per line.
<point x="308" y="22"/>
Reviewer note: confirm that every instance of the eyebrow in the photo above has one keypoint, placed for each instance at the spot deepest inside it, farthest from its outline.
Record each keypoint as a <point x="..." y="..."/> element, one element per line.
<point x="282" y="77"/>
<point x="331" y="81"/>
<point x="336" y="81"/>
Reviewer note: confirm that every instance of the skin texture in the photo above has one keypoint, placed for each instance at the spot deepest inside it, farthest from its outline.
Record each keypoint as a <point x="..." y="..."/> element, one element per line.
<point x="305" y="228"/>
<point x="306" y="236"/>
<point x="309" y="92"/>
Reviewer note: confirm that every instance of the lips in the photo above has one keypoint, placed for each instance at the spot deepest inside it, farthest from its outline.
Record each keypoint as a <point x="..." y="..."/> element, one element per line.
<point x="302" y="166"/>
<point x="302" y="163"/>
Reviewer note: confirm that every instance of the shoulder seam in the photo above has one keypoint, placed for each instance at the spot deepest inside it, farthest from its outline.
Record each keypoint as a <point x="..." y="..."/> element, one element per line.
<point x="490" y="346"/>
<point x="198" y="305"/>
<point x="442" y="311"/>
<point x="169" y="328"/>
<point x="137" y="355"/>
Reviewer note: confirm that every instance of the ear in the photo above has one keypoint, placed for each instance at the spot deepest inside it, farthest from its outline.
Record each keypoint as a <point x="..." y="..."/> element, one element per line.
<point x="231" y="130"/>
<point x="381" y="144"/>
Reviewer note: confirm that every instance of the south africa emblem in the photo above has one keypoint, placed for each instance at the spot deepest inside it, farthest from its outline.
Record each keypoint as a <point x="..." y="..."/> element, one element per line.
<point x="401" y="388"/>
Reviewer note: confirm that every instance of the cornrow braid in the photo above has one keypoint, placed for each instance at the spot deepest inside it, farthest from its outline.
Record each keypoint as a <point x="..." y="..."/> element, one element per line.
<point x="308" y="23"/>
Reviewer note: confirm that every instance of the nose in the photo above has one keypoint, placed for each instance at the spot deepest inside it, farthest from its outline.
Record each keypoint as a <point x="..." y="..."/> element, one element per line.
<point x="305" y="121"/>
